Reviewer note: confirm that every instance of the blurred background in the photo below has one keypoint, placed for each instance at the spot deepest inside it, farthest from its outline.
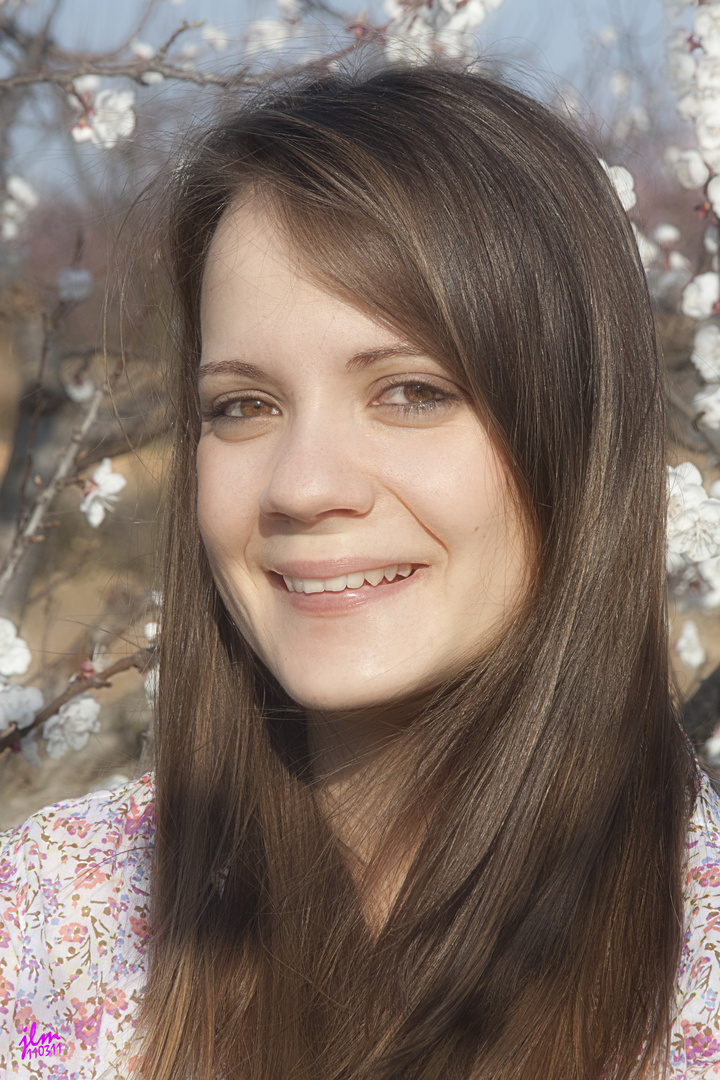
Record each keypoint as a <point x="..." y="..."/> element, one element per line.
<point x="93" y="98"/>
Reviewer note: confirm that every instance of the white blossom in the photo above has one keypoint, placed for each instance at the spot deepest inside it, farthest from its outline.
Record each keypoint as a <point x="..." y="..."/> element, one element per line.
<point x="623" y="126"/>
<point x="152" y="681"/>
<point x="707" y="403"/>
<point x="709" y="570"/>
<point x="14" y="654"/>
<point x="708" y="75"/>
<point x="608" y="35"/>
<point x="701" y="295"/>
<point x="689" y="647"/>
<point x="101" y="492"/>
<point x="622" y="180"/>
<point x="28" y="748"/>
<point x="711" y="238"/>
<point x="713" y="192"/>
<point x="679" y="262"/>
<point x="80" y="389"/>
<point x="113" y="117"/>
<point x="706" y="28"/>
<point x="416" y="32"/>
<point x="680" y="66"/>
<point x="706" y="352"/>
<point x="693" y="526"/>
<point x="110" y="118"/>
<point x="685" y="488"/>
<point x="266" y="34"/>
<point x="691" y="170"/>
<point x="460" y="18"/>
<point x="688" y="106"/>
<point x="649" y="252"/>
<point x="142" y="49"/>
<point x="18" y="705"/>
<point x="639" y="118"/>
<point x="73" y="285"/>
<point x="152" y="78"/>
<point x="696" y="533"/>
<point x="70" y="727"/>
<point x="86" y="85"/>
<point x="21" y="199"/>
<point x="22" y="192"/>
<point x="150" y="630"/>
<point x="707" y="125"/>
<point x="568" y="102"/>
<point x="216" y="38"/>
<point x="620" y="84"/>
<point x="82" y="131"/>
<point x="666" y="234"/>
<point x="711" y="749"/>
<point x="412" y="45"/>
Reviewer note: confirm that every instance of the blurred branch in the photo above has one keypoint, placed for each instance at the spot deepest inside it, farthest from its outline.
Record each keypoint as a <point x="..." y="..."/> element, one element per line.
<point x="139" y="660"/>
<point x="131" y="439"/>
<point x="712" y="438"/>
<point x="702" y="711"/>
<point x="28" y="534"/>
<point x="135" y="70"/>
<point x="50" y="323"/>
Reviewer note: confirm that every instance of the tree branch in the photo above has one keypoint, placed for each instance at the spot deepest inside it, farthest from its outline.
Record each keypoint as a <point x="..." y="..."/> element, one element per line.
<point x="63" y="77"/>
<point x="28" y="534"/>
<point x="139" y="660"/>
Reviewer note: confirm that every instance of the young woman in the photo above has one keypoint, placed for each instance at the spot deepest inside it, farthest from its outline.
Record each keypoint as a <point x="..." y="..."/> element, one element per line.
<point x="422" y="807"/>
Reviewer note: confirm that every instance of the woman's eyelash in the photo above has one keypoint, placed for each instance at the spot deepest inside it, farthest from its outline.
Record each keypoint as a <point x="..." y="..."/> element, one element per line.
<point x="440" y="399"/>
<point x="218" y="409"/>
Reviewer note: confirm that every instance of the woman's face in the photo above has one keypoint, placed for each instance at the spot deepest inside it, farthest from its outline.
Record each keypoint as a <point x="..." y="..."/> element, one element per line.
<point x="355" y="513"/>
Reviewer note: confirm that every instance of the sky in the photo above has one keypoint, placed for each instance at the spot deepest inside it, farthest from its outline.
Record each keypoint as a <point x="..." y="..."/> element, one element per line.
<point x="554" y="34"/>
<point x="550" y="45"/>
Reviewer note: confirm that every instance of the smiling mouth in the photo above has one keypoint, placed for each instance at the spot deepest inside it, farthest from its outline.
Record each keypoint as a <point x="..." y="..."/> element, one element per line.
<point x="374" y="578"/>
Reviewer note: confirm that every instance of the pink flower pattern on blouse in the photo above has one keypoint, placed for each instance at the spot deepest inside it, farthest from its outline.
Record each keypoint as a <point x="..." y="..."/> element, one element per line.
<point x="74" y="890"/>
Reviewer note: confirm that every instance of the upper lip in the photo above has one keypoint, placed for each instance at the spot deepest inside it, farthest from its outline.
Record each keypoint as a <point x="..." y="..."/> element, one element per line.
<point x="330" y="568"/>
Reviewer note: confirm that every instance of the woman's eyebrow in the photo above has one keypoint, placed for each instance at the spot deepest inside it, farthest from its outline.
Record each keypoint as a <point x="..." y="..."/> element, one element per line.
<point x="229" y="367"/>
<point x="372" y="356"/>
<point x="252" y="371"/>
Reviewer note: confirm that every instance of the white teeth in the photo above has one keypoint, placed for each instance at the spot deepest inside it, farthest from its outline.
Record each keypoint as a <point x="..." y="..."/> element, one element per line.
<point x="347" y="581"/>
<point x="336" y="584"/>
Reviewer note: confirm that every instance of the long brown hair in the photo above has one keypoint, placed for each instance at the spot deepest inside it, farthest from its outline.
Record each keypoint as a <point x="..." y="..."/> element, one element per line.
<point x="537" y="932"/>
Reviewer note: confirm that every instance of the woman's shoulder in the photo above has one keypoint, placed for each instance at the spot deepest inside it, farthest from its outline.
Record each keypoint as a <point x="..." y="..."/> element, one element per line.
<point x="74" y="890"/>
<point x="112" y="826"/>
<point x="696" y="1031"/>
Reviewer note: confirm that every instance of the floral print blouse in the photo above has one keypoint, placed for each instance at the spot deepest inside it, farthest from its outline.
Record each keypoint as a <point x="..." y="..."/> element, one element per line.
<point x="74" y="889"/>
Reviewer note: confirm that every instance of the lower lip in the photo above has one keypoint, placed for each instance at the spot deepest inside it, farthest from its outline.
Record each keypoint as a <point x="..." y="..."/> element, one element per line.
<point x="342" y="603"/>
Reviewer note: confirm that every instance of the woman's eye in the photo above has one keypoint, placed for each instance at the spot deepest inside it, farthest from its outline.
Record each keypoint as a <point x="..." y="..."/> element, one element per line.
<point x="416" y="397"/>
<point x="241" y="409"/>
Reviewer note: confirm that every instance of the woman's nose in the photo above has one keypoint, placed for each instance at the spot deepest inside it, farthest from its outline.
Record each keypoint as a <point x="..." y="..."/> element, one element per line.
<point x="319" y="471"/>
